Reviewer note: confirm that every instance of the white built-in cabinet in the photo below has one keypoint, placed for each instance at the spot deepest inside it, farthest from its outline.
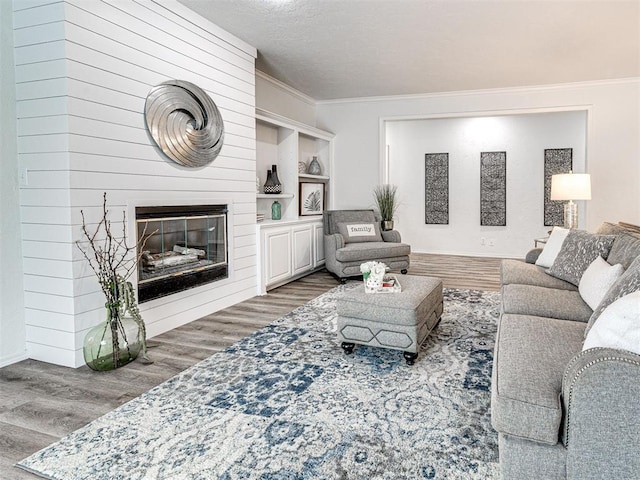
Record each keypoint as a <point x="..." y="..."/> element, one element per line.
<point x="292" y="246"/>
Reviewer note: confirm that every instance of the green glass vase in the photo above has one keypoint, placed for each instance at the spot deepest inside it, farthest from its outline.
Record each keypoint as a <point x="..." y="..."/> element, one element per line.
<point x="276" y="210"/>
<point x="112" y="343"/>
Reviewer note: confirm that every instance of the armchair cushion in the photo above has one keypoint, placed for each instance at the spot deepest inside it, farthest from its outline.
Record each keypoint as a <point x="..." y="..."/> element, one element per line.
<point x="357" y="232"/>
<point x="363" y="252"/>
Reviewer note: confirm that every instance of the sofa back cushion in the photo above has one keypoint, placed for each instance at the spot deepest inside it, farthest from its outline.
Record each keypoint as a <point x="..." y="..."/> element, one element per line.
<point x="625" y="249"/>
<point x="608" y="228"/>
<point x="578" y="251"/>
<point x="356" y="232"/>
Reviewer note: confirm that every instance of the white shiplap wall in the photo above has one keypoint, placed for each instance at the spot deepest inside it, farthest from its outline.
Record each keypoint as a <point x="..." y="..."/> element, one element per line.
<point x="83" y="70"/>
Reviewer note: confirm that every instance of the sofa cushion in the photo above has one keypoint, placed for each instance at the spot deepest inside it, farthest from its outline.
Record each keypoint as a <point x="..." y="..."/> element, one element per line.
<point x="552" y="247"/>
<point x="544" y="302"/>
<point x="531" y="354"/>
<point x="515" y="271"/>
<point x="608" y="228"/>
<point x="356" y="232"/>
<point x="618" y="326"/>
<point x="578" y="251"/>
<point x="627" y="283"/>
<point x="597" y="280"/>
<point x="625" y="249"/>
<point x="362" y="252"/>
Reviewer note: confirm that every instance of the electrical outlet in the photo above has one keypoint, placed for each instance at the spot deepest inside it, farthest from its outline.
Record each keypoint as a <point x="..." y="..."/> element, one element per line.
<point x="492" y="242"/>
<point x="483" y="241"/>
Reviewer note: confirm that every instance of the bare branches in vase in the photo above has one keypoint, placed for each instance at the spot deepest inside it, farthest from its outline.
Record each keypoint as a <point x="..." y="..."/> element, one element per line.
<point x="113" y="260"/>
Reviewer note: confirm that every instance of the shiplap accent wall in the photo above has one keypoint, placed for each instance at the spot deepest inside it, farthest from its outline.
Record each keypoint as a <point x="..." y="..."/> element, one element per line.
<point x="83" y="70"/>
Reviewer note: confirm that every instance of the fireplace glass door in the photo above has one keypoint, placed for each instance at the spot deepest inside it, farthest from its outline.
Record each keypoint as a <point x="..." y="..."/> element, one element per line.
<point x="184" y="250"/>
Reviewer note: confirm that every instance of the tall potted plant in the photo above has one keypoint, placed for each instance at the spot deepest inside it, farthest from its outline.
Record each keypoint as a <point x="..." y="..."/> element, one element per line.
<point x="122" y="336"/>
<point x="385" y="197"/>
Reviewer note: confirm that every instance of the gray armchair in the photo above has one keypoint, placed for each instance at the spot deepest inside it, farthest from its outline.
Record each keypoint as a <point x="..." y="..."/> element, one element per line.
<point x="352" y="237"/>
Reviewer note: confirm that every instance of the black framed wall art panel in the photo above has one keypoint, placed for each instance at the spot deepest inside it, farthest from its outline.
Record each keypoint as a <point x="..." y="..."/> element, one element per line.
<point x="493" y="188"/>
<point x="556" y="160"/>
<point x="436" y="188"/>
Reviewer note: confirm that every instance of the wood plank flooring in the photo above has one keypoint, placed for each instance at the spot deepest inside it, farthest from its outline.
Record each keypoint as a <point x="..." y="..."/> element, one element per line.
<point x="40" y="402"/>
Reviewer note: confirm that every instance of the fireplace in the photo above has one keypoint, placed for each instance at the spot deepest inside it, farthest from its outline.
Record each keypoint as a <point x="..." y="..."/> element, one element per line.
<point x="188" y="248"/>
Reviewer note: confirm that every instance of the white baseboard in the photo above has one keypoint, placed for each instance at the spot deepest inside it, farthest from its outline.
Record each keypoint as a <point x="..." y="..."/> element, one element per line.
<point x="4" y="361"/>
<point x="466" y="254"/>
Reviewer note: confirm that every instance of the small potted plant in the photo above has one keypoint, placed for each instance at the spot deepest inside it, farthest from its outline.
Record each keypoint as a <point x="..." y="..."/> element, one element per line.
<point x="385" y="197"/>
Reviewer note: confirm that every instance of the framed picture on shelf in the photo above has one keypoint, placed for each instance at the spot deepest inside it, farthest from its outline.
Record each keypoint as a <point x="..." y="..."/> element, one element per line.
<point x="311" y="198"/>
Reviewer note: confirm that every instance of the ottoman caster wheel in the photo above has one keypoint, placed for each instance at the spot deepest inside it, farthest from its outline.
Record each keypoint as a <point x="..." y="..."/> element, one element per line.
<point x="348" y="347"/>
<point x="343" y="280"/>
<point x="410" y="357"/>
<point x="403" y="271"/>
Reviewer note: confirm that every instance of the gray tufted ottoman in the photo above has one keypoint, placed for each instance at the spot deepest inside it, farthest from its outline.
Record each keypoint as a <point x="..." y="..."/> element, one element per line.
<point x="391" y="320"/>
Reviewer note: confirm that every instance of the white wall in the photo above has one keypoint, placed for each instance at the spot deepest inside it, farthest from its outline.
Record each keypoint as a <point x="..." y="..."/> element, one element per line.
<point x="523" y="137"/>
<point x="613" y="144"/>
<point x="83" y="72"/>
<point x="12" y="328"/>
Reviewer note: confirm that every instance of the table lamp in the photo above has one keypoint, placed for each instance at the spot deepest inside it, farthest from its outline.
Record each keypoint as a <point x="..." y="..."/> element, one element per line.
<point x="571" y="186"/>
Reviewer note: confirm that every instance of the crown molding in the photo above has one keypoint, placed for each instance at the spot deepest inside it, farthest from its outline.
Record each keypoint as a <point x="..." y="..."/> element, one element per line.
<point x="488" y="91"/>
<point x="283" y="86"/>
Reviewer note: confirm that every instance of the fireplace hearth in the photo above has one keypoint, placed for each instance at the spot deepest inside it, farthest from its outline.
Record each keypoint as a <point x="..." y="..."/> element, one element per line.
<point x="188" y="248"/>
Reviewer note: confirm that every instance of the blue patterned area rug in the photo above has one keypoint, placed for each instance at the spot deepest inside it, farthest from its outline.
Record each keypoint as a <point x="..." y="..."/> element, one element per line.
<point x="287" y="403"/>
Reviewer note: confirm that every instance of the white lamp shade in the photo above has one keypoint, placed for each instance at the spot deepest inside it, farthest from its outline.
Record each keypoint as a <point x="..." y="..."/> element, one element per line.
<point x="571" y="186"/>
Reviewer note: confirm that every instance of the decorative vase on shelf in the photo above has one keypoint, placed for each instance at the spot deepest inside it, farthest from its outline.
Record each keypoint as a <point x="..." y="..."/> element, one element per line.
<point x="276" y="180"/>
<point x="270" y="186"/>
<point x="302" y="167"/>
<point x="314" y="167"/>
<point x="276" y="210"/>
<point x="112" y="343"/>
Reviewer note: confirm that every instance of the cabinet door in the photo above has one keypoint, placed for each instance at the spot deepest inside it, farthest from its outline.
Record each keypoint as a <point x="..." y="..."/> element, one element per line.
<point x="318" y="247"/>
<point x="302" y="251"/>
<point x="277" y="245"/>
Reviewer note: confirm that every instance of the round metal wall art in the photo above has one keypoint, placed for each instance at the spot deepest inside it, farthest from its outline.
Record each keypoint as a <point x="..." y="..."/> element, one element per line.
<point x="184" y="123"/>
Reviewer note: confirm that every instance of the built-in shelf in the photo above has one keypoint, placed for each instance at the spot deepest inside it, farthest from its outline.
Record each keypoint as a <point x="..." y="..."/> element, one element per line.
<point x="313" y="177"/>
<point x="274" y="195"/>
<point x="294" y="245"/>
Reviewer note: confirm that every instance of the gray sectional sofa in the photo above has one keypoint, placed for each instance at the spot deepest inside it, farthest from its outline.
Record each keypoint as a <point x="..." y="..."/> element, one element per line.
<point x="561" y="412"/>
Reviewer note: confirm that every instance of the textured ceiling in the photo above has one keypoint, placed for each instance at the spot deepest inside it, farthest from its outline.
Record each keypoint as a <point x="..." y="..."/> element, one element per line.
<point x="331" y="49"/>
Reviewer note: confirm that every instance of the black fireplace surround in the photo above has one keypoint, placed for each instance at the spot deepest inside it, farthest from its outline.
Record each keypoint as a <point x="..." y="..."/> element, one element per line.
<point x="188" y="248"/>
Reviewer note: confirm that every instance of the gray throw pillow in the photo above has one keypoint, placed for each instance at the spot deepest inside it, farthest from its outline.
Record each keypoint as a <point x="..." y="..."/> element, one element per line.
<point x="356" y="232"/>
<point x="578" y="251"/>
<point x="625" y="249"/>
<point x="627" y="283"/>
